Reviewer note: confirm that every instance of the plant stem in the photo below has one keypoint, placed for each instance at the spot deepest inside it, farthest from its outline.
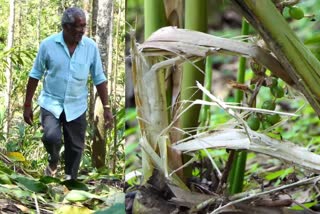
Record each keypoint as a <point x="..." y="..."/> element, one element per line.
<point x="155" y="18"/>
<point x="205" y="109"/>
<point x="238" y="166"/>
<point x="195" y="19"/>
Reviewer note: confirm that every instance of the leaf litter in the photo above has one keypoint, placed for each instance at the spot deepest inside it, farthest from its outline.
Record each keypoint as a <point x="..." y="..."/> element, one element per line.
<point x="24" y="193"/>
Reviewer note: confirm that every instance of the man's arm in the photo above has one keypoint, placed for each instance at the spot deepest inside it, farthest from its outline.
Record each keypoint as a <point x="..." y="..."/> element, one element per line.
<point x="31" y="88"/>
<point x="102" y="90"/>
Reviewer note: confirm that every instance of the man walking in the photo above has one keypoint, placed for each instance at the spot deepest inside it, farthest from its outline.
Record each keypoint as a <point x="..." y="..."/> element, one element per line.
<point x="64" y="61"/>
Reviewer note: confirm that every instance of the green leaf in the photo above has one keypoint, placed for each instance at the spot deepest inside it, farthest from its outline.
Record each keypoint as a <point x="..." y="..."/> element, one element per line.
<point x="5" y="179"/>
<point x="5" y="169"/>
<point x="15" y="191"/>
<point x="49" y="180"/>
<point x="118" y="208"/>
<point x="280" y="173"/>
<point x="4" y="189"/>
<point x="115" y="198"/>
<point x="130" y="148"/>
<point x="75" y="185"/>
<point x="19" y="193"/>
<point x="131" y="131"/>
<point x="314" y="40"/>
<point x="16" y="156"/>
<point x="121" y="116"/>
<point x="72" y="209"/>
<point x="32" y="185"/>
<point x="20" y="60"/>
<point x="79" y="195"/>
<point x="307" y="205"/>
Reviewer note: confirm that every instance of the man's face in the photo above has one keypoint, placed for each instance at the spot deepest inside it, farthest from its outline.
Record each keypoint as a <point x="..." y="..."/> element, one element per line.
<point x="77" y="29"/>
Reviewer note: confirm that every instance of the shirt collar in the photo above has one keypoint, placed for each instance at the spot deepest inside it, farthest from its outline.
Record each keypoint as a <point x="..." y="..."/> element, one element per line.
<point x="59" y="39"/>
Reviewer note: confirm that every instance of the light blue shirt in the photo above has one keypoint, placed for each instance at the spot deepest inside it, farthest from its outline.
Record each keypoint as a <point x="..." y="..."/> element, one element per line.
<point x="65" y="77"/>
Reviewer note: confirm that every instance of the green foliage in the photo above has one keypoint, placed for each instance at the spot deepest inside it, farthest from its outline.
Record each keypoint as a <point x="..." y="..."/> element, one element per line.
<point x="134" y="17"/>
<point x="5" y="179"/>
<point x="280" y="174"/>
<point x="79" y="195"/>
<point x="132" y="149"/>
<point x="65" y="209"/>
<point x="305" y="205"/>
<point x="117" y="208"/>
<point x="49" y="180"/>
<point x="51" y="192"/>
<point x="75" y="185"/>
<point x="30" y="184"/>
<point x="116" y="78"/>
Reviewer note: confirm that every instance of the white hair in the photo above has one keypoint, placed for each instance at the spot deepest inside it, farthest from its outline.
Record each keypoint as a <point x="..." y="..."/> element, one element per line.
<point x="70" y="14"/>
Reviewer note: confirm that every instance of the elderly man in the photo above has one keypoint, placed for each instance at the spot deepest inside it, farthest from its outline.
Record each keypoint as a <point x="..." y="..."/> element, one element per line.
<point x="64" y="60"/>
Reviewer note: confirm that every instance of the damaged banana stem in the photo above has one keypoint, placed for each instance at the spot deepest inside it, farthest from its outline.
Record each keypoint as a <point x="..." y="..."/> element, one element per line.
<point x="182" y="42"/>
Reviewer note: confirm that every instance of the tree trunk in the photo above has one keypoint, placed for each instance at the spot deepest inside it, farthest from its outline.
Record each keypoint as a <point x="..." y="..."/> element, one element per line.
<point x="39" y="22"/>
<point x="20" y="16"/>
<point x="87" y="7"/>
<point x="90" y="7"/>
<point x="8" y="73"/>
<point x="110" y="42"/>
<point x="103" y="31"/>
<point x="95" y="8"/>
<point x="93" y="27"/>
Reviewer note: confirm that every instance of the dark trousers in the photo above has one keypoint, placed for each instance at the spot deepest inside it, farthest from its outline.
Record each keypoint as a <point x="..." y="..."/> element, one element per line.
<point x="73" y="134"/>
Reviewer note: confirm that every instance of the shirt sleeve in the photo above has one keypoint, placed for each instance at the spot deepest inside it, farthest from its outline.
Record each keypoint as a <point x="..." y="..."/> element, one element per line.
<point x="39" y="65"/>
<point x="96" y="68"/>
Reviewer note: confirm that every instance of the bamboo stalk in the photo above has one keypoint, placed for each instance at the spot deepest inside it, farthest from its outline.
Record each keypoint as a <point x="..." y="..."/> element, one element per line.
<point x="238" y="167"/>
<point x="154" y="19"/>
<point x="242" y="64"/>
<point x="154" y="15"/>
<point x="195" y="19"/>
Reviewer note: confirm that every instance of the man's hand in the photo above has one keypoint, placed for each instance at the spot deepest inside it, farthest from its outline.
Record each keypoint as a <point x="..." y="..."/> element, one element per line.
<point x="27" y="111"/>
<point x="28" y="115"/>
<point x="108" y="118"/>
